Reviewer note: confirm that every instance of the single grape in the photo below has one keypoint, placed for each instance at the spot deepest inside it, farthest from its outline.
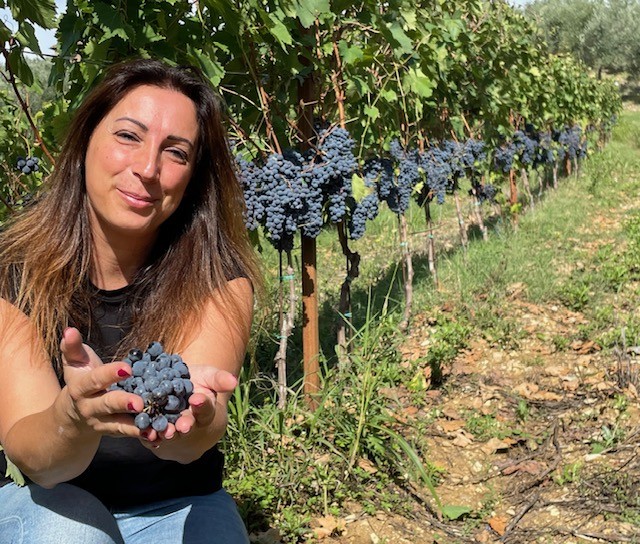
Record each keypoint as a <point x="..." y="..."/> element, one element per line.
<point x="155" y="349"/>
<point x="142" y="421"/>
<point x="135" y="354"/>
<point x="160" y="423"/>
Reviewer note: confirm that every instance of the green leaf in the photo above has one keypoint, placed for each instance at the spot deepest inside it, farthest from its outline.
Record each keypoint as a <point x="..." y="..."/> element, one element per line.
<point x="13" y="471"/>
<point x="359" y="189"/>
<point x="19" y="67"/>
<point x="5" y="33"/>
<point x="451" y="511"/>
<point x="27" y="37"/>
<point x="389" y="95"/>
<point x="40" y="12"/>
<point x="111" y="22"/>
<point x="279" y="30"/>
<point x="211" y="68"/>
<point x="372" y="112"/>
<point x="410" y="18"/>
<point x="350" y="54"/>
<point x="419" y="83"/>
<point x="401" y="38"/>
<point x="309" y="10"/>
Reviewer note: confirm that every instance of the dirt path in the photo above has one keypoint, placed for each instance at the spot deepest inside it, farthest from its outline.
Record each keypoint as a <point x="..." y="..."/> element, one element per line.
<point x="540" y="444"/>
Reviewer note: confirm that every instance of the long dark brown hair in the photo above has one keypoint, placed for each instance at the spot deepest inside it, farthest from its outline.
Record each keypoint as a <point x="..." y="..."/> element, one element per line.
<point x="46" y="252"/>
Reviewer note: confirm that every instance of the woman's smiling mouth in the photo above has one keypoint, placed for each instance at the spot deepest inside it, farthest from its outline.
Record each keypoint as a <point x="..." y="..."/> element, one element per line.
<point x="136" y="200"/>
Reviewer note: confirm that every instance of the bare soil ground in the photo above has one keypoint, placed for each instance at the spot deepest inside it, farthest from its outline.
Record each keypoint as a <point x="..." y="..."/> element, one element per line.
<point x="532" y="475"/>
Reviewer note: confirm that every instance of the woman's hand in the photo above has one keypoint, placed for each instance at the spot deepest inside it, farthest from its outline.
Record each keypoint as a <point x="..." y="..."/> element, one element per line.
<point x="203" y="423"/>
<point x="87" y="380"/>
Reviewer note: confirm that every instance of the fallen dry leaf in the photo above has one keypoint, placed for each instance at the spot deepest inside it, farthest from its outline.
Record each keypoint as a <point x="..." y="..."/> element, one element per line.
<point x="367" y="466"/>
<point x="526" y="390"/>
<point x="498" y="524"/>
<point x="493" y="445"/>
<point x="462" y="440"/>
<point x="450" y="413"/>
<point x="451" y="426"/>
<point x="530" y="467"/>
<point x="327" y="526"/>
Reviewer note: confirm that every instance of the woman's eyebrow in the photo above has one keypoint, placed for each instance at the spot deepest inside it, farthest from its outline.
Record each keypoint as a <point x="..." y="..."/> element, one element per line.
<point x="146" y="129"/>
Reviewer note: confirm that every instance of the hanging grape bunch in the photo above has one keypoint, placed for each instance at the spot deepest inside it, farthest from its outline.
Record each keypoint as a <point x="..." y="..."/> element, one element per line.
<point x="162" y="380"/>
<point x="27" y="165"/>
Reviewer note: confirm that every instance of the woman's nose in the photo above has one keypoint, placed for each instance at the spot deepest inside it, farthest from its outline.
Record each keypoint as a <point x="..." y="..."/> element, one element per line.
<point x="147" y="164"/>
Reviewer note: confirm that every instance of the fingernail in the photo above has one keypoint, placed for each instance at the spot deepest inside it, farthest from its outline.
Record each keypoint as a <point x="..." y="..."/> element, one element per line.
<point x="145" y="435"/>
<point x="197" y="404"/>
<point x="130" y="407"/>
<point x="123" y="373"/>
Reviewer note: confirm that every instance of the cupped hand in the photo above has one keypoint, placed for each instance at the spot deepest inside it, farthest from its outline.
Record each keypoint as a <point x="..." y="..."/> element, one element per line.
<point x="196" y="422"/>
<point x="87" y="380"/>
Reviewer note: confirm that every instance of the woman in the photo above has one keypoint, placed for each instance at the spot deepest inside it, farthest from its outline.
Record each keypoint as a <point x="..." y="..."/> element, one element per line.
<point x="139" y="237"/>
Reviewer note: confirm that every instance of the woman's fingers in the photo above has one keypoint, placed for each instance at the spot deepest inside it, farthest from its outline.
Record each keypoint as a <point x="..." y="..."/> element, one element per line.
<point x="74" y="352"/>
<point x="186" y="422"/>
<point x="98" y="379"/>
<point x="214" y="379"/>
<point x="202" y="408"/>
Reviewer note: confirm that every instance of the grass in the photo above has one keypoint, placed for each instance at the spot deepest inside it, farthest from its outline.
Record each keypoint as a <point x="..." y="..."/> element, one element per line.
<point x="291" y="465"/>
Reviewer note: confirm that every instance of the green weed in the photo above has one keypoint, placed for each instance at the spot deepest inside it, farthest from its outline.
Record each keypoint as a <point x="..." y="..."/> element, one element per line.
<point x="568" y="474"/>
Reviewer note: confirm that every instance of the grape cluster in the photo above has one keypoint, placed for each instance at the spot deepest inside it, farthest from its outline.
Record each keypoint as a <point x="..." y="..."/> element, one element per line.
<point x="504" y="156"/>
<point x="162" y="380"/>
<point x="571" y="143"/>
<point x="475" y="153"/>
<point x="546" y="150"/>
<point x="394" y="178"/>
<point x="295" y="191"/>
<point x="27" y="165"/>
<point x="525" y="147"/>
<point x="365" y="210"/>
<point x="435" y="162"/>
<point x="486" y="192"/>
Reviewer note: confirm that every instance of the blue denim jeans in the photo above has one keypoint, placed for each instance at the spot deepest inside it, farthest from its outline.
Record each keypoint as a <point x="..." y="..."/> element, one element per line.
<point x="69" y="515"/>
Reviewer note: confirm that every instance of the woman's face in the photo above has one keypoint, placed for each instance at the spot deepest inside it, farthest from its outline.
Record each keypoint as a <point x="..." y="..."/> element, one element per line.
<point x="139" y="161"/>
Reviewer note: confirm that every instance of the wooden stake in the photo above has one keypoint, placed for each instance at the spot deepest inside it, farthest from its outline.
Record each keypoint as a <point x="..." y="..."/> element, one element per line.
<point x="310" y="329"/>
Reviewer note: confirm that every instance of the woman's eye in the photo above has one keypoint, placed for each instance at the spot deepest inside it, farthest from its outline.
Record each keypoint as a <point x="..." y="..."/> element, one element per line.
<point x="179" y="154"/>
<point x="129" y="136"/>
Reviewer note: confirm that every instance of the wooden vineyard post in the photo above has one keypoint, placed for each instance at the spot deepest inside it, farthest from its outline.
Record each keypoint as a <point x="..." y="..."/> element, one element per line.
<point x="407" y="270"/>
<point x="477" y="209"/>
<point x="464" y="237"/>
<point x="513" y="197"/>
<point x="527" y="187"/>
<point x="310" y="329"/>
<point x="431" y="244"/>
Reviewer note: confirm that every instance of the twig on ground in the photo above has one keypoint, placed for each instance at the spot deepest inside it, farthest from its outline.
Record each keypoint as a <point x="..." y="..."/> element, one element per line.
<point x="523" y="511"/>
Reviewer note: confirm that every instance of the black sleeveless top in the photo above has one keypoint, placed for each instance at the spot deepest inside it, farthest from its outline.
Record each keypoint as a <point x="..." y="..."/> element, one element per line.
<point x="123" y="472"/>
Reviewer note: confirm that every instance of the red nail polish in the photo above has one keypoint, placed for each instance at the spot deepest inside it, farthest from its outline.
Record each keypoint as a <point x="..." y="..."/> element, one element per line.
<point x="130" y="407"/>
<point x="123" y="373"/>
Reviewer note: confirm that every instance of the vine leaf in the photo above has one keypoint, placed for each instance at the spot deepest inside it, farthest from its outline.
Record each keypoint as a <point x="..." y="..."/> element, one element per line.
<point x="452" y="511"/>
<point x="40" y="12"/>
<point x="309" y="10"/>
<point x="13" y="472"/>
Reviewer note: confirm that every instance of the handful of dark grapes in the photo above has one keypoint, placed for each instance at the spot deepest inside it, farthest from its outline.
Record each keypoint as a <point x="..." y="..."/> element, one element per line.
<point x="162" y="380"/>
